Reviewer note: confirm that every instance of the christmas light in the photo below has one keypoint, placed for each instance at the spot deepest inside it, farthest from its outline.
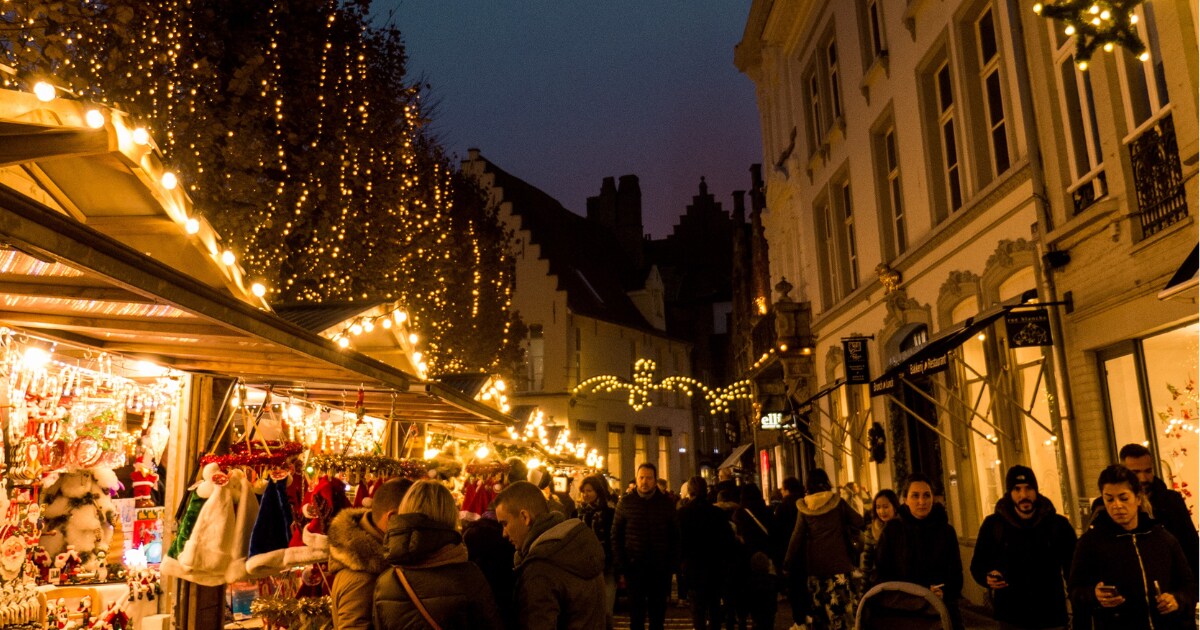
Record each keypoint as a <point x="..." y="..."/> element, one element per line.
<point x="44" y="91"/>
<point x="94" y="118"/>
<point x="169" y="181"/>
<point x="192" y="226"/>
<point x="141" y="136"/>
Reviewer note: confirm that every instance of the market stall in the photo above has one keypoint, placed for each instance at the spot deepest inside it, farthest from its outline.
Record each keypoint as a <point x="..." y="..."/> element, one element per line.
<point x="134" y="345"/>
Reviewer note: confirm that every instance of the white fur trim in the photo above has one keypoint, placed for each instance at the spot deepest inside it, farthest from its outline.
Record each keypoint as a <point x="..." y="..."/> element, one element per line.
<point x="315" y="540"/>
<point x="105" y="477"/>
<point x="300" y="556"/>
<point x="267" y="563"/>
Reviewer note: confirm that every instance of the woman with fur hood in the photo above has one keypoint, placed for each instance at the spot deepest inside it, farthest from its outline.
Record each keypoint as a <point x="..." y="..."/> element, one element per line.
<point x="822" y="549"/>
<point x="357" y="555"/>
<point x="432" y="582"/>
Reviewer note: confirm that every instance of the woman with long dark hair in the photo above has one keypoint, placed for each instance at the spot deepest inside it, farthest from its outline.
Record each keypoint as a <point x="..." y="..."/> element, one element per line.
<point x="885" y="507"/>
<point x="596" y="511"/>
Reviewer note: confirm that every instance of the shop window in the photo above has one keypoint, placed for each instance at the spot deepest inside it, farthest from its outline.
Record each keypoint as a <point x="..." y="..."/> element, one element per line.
<point x="615" y="451"/>
<point x="1171" y="376"/>
<point x="664" y="456"/>
<point x="641" y="446"/>
<point x="535" y="358"/>
<point x="1124" y="400"/>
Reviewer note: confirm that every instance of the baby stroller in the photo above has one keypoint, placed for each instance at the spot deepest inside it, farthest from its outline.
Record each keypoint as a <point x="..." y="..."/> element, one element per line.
<point x="901" y="606"/>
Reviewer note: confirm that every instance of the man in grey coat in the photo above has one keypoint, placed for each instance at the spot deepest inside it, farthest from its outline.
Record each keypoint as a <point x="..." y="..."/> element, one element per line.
<point x="559" y="563"/>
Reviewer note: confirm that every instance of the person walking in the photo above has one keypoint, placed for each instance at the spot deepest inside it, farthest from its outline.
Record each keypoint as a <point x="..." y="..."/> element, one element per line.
<point x="1128" y="571"/>
<point x="885" y="507"/>
<point x="822" y="550"/>
<point x="357" y="555"/>
<point x="432" y="584"/>
<point x="645" y="540"/>
<point x="559" y="563"/>
<point x="1023" y="555"/>
<point x="596" y="511"/>
<point x="489" y="550"/>
<point x="1167" y="507"/>
<point x="921" y="547"/>
<point x="706" y="538"/>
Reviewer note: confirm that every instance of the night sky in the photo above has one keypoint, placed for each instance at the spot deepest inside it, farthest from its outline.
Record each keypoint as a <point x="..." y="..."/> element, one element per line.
<point x="562" y="94"/>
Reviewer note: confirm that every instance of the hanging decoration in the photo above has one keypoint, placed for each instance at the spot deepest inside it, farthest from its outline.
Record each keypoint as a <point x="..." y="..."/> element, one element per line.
<point x="379" y="465"/>
<point x="304" y="613"/>
<point x="1097" y="24"/>
<point x="643" y="386"/>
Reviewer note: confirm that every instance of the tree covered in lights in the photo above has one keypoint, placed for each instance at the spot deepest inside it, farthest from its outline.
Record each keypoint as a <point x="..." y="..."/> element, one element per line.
<point x="299" y="135"/>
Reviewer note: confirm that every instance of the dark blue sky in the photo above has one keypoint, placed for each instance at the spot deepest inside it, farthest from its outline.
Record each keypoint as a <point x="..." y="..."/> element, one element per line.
<point x="562" y="94"/>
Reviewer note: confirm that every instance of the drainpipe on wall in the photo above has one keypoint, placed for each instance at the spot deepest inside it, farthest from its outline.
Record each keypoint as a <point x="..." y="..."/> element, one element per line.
<point x="1069" y="469"/>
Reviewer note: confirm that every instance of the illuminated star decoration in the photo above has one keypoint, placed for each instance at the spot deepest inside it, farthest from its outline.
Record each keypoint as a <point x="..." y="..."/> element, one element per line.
<point x="643" y="385"/>
<point x="1097" y="24"/>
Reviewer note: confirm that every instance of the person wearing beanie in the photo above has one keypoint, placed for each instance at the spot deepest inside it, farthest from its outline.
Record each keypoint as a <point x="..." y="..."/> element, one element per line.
<point x="1023" y="555"/>
<point x="358" y="555"/>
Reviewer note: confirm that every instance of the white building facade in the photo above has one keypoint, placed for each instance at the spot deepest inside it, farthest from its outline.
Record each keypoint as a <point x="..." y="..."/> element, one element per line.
<point x="922" y="197"/>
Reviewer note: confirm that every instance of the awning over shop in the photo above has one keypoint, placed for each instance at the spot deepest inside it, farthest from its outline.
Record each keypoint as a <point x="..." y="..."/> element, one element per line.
<point x="806" y="406"/>
<point x="1186" y="278"/>
<point x="94" y="254"/>
<point x="930" y="357"/>
<point x="735" y="458"/>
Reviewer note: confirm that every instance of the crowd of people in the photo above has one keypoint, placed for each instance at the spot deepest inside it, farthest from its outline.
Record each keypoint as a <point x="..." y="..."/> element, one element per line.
<point x="544" y="559"/>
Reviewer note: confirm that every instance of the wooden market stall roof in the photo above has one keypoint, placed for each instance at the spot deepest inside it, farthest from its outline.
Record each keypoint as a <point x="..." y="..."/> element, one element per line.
<point x="96" y="252"/>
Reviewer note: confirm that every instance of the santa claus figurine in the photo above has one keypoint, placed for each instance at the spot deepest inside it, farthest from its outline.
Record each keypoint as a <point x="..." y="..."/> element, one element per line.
<point x="145" y="480"/>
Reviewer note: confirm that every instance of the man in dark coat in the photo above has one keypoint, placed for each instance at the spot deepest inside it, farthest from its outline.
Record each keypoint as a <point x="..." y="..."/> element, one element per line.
<point x="358" y="555"/>
<point x="706" y="539"/>
<point x="1168" y="506"/>
<point x="559" y="563"/>
<point x="1023" y="554"/>
<point x="645" y="539"/>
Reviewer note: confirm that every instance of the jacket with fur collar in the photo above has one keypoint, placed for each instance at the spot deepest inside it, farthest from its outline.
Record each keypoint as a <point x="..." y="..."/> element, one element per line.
<point x="357" y="556"/>
<point x="822" y="543"/>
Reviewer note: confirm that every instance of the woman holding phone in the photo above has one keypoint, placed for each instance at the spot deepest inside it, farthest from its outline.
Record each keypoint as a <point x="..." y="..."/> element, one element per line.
<point x="920" y="546"/>
<point x="1128" y="571"/>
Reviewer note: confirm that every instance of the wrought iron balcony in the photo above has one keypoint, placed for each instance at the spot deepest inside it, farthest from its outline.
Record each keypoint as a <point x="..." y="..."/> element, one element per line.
<point x="1157" y="175"/>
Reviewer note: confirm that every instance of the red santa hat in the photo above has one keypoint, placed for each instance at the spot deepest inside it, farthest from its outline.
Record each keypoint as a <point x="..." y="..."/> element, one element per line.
<point x="327" y="498"/>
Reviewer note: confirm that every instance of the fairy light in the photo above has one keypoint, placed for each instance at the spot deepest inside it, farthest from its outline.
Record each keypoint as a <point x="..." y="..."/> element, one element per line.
<point x="44" y="91"/>
<point x="642" y="386"/>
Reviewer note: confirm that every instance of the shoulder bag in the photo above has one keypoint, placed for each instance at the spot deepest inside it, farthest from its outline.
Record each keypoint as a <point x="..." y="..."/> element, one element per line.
<point x="412" y="595"/>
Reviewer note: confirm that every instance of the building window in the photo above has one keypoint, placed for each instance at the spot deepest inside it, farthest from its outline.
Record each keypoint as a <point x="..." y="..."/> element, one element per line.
<point x="1144" y="81"/>
<point x="850" y="245"/>
<point x="835" y="84"/>
<point x="875" y="24"/>
<point x="578" y="355"/>
<point x="641" y="446"/>
<point x="827" y="250"/>
<point x="535" y="358"/>
<point x="1078" y="106"/>
<point x="664" y="455"/>
<point x="816" y="126"/>
<point x="993" y="91"/>
<point x="615" y="434"/>
<point x="948" y="137"/>
<point x="894" y="196"/>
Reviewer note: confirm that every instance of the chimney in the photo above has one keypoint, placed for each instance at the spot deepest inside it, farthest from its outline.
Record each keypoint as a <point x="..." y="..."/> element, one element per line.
<point x="603" y="207"/>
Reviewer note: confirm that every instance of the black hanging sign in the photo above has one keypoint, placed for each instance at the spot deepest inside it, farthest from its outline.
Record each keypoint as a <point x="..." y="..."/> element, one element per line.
<point x="854" y="354"/>
<point x="885" y="385"/>
<point x="1028" y="329"/>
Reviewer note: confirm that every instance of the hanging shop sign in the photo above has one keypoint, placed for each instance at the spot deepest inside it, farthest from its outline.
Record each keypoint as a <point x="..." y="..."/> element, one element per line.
<point x="1028" y="329"/>
<point x="884" y="385"/>
<point x="931" y="365"/>
<point x="771" y="421"/>
<point x="854" y="353"/>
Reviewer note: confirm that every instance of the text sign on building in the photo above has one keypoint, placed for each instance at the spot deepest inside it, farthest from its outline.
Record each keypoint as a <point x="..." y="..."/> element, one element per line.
<point x="884" y="385"/>
<point x="854" y="354"/>
<point x="771" y="421"/>
<point x="1028" y="329"/>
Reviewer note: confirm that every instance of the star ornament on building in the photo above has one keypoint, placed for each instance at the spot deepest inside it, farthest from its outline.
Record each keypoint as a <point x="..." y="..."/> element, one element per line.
<point x="1097" y="24"/>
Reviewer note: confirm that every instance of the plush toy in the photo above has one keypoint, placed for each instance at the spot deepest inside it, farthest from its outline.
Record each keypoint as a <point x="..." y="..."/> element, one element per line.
<point x="79" y="512"/>
<point x="145" y="480"/>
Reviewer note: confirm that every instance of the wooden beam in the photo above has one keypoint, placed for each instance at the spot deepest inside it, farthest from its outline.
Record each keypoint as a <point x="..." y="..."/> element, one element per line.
<point x="56" y="288"/>
<point x="95" y="324"/>
<point x="55" y="144"/>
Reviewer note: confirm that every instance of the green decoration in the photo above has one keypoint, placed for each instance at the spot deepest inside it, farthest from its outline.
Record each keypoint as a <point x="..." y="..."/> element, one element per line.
<point x="1097" y="24"/>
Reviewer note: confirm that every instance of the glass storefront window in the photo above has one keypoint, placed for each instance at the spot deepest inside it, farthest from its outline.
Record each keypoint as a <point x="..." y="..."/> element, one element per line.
<point x="988" y="476"/>
<point x="1124" y="401"/>
<point x="1039" y="443"/>
<point x="614" y="454"/>
<point x="1171" y="375"/>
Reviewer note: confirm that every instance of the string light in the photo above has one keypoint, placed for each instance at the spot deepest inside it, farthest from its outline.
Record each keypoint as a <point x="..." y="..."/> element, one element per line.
<point x="1102" y="24"/>
<point x="642" y="386"/>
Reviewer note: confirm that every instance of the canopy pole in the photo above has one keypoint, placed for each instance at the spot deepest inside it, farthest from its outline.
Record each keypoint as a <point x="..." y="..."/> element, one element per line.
<point x="924" y="421"/>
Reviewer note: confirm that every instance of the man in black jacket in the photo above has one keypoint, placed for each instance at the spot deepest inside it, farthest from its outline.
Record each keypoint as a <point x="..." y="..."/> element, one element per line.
<point x="645" y="539"/>
<point x="1169" y="507"/>
<point x="706" y="540"/>
<point x="1023" y="554"/>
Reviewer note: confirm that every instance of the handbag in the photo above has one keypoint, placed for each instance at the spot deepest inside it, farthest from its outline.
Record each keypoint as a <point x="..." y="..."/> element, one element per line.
<point x="412" y="595"/>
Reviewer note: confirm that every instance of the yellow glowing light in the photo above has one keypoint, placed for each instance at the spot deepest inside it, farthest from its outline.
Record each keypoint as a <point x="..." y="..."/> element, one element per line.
<point x="1037" y="8"/>
<point x="35" y="358"/>
<point x="981" y="337"/>
<point x="413" y="338"/>
<point x="482" y="451"/>
<point x="1083" y="65"/>
<point x="343" y="342"/>
<point x="1094" y="9"/>
<point x="44" y="91"/>
<point x="356" y="328"/>
<point x="1133" y="19"/>
<point x="1145" y="56"/>
<point x="1070" y="30"/>
<point x="94" y="118"/>
<point x="169" y="180"/>
<point x="1104" y="15"/>
<point x="533" y="463"/>
<point x="386" y="323"/>
<point x="400" y="316"/>
<point x="430" y="453"/>
<point x="228" y="258"/>
<point x="192" y="226"/>
<point x="258" y="289"/>
<point x="141" y="136"/>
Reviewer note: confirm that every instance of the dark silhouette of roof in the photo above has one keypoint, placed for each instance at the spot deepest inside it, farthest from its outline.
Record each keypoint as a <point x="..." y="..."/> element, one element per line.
<point x="469" y="383"/>
<point x="320" y="316"/>
<point x="583" y="255"/>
